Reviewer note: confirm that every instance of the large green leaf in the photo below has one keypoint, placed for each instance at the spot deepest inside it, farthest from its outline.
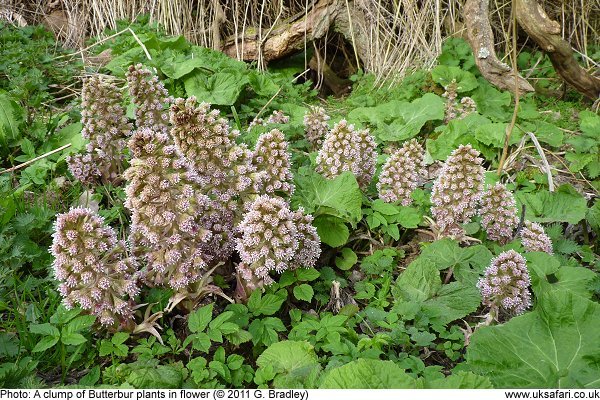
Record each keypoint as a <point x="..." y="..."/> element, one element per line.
<point x="492" y="103"/>
<point x="368" y="374"/>
<point x="332" y="230"/>
<point x="563" y="205"/>
<point x="294" y="363"/>
<point x="554" y="346"/>
<point x="444" y="75"/>
<point x="460" y="380"/>
<point x="221" y="88"/>
<point x="340" y="197"/>
<point x="413" y="116"/>
<point x="467" y="262"/>
<point x="10" y="118"/>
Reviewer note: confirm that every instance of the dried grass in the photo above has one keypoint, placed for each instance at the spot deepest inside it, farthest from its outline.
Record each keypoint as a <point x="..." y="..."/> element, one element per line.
<point x="403" y="34"/>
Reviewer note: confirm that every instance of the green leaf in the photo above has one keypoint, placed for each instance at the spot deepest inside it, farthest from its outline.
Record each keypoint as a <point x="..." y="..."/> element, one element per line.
<point x="384" y="208"/>
<point x="10" y="118"/>
<point x="45" y="329"/>
<point x="347" y="260"/>
<point x="554" y="346"/>
<point x="413" y="116"/>
<point x="119" y="338"/>
<point x="156" y="377"/>
<point x="268" y="304"/>
<point x="593" y="216"/>
<point x="177" y="70"/>
<point x="340" y="197"/>
<point x="304" y="292"/>
<point x="46" y="343"/>
<point x="307" y="274"/>
<point x="80" y="323"/>
<point x="199" y="319"/>
<point x="467" y="263"/>
<point x="221" y="88"/>
<point x="265" y="330"/>
<point x="331" y="230"/>
<point x="460" y="380"/>
<point x="9" y="345"/>
<point x="62" y="315"/>
<point x="91" y="378"/>
<point x="563" y="205"/>
<point x="451" y="302"/>
<point x="444" y="75"/>
<point x="492" y="103"/>
<point x="418" y="282"/>
<point x="287" y="355"/>
<point x="368" y="374"/>
<point x="71" y="338"/>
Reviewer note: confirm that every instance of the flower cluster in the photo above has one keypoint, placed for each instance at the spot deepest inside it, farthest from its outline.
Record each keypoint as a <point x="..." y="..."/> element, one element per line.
<point x="271" y="160"/>
<point x="346" y="149"/>
<point x="454" y="108"/>
<point x="105" y="125"/>
<point x="208" y="144"/>
<point x="277" y="117"/>
<point x="150" y="97"/>
<point x="506" y="283"/>
<point x="315" y="126"/>
<point x="534" y="238"/>
<point x="274" y="238"/>
<point x="498" y="213"/>
<point x="93" y="267"/>
<point x="167" y="211"/>
<point x="402" y="173"/>
<point x="457" y="190"/>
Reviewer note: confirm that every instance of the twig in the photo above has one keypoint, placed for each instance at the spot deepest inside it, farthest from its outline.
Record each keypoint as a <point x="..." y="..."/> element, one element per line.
<point x="26" y="163"/>
<point x="137" y="39"/>
<point x="544" y="160"/>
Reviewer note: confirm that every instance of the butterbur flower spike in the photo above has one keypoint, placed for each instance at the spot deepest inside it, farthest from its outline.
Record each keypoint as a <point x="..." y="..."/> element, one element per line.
<point x="346" y="149"/>
<point x="93" y="267"/>
<point x="498" y="213"/>
<point x="271" y="160"/>
<point x="401" y="174"/>
<point x="315" y="126"/>
<point x="506" y="284"/>
<point x="457" y="190"/>
<point x="150" y="97"/>
<point x="274" y="239"/>
<point x="105" y="125"/>
<point x="167" y="211"/>
<point x="278" y="117"/>
<point x="534" y="238"/>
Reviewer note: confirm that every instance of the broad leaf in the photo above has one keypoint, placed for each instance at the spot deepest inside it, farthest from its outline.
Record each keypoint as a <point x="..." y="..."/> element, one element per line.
<point x="413" y="116"/>
<point x="563" y="205"/>
<point x="554" y="346"/>
<point x="368" y="374"/>
<point x="444" y="75"/>
<point x="221" y="88"/>
<point x="331" y="230"/>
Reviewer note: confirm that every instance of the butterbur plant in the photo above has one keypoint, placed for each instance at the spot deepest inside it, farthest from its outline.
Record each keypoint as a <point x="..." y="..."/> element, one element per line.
<point x="274" y="239"/>
<point x="166" y="211"/>
<point x="348" y="149"/>
<point x="534" y="238"/>
<point x="498" y="213"/>
<point x="401" y="174"/>
<point x="105" y="125"/>
<point x="150" y="97"/>
<point x="94" y="269"/>
<point x="505" y="285"/>
<point x="205" y="140"/>
<point x="315" y="126"/>
<point x="455" y="109"/>
<point x="271" y="160"/>
<point x="457" y="190"/>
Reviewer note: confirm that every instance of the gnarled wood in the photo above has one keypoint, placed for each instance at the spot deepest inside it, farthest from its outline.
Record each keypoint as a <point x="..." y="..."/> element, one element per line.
<point x="481" y="39"/>
<point x="547" y="34"/>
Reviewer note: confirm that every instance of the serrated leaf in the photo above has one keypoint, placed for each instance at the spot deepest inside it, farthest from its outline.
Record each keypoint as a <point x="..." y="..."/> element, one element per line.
<point x="304" y="292"/>
<point x="368" y="374"/>
<point x="71" y="338"/>
<point x="331" y="230"/>
<point x="81" y="322"/>
<point x="563" y="205"/>
<point x="46" y="343"/>
<point x="413" y="116"/>
<point x="199" y="319"/>
<point x="268" y="304"/>
<point x="45" y="329"/>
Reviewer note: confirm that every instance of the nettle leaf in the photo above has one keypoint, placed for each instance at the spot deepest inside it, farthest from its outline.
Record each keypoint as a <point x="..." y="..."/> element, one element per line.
<point x="563" y="205"/>
<point x="554" y="346"/>
<point x="304" y="292"/>
<point x="368" y="374"/>
<point x="340" y="197"/>
<point x="199" y="319"/>
<point x="413" y="116"/>
<point x="444" y="75"/>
